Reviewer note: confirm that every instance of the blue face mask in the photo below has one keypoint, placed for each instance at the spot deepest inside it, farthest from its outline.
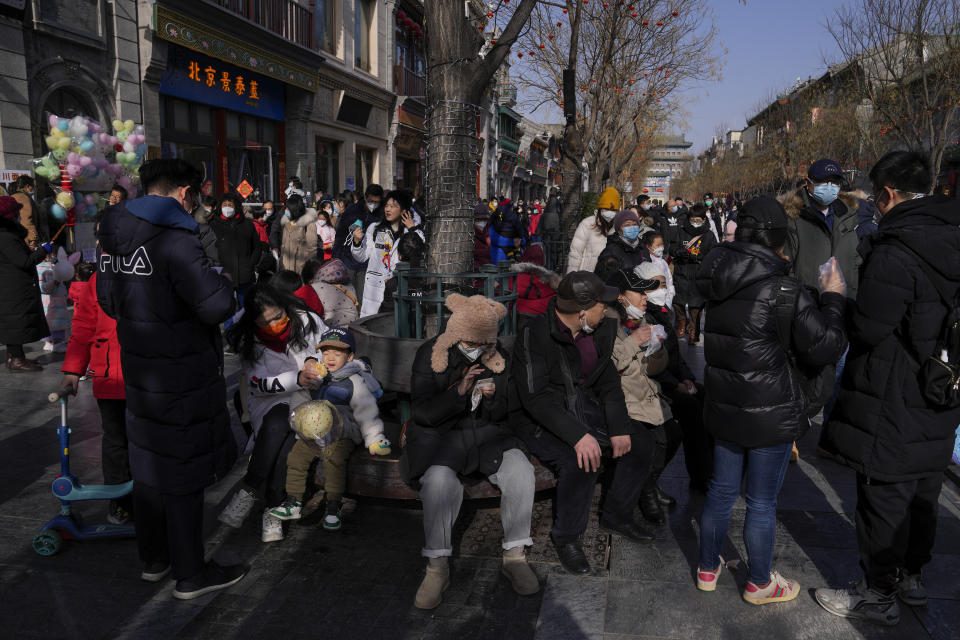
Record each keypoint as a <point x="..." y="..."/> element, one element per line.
<point x="674" y="209"/>
<point x="825" y="193"/>
<point x="630" y="233"/>
<point x="709" y="203"/>
<point x="286" y="214"/>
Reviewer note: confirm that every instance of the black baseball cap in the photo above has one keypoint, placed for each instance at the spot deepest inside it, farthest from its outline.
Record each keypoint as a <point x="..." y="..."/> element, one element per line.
<point x="763" y="212"/>
<point x="625" y="280"/>
<point x="581" y="290"/>
<point x="823" y="169"/>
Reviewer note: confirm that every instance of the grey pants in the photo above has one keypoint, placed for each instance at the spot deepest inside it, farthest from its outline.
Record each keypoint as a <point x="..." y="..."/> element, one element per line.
<point x="442" y="494"/>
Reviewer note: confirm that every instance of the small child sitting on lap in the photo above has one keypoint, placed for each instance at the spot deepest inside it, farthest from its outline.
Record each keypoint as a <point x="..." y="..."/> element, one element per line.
<point x="353" y="390"/>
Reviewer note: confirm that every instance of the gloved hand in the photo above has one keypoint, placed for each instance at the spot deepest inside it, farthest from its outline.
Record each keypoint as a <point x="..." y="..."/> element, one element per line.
<point x="48" y="247"/>
<point x="380" y="448"/>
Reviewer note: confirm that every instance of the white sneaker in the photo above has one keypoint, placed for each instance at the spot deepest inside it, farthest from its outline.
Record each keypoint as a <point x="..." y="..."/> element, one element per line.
<point x="272" y="528"/>
<point x="47" y="346"/>
<point x="238" y="509"/>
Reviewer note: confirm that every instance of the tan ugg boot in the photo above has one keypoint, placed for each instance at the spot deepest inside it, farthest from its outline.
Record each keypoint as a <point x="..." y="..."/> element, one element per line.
<point x="519" y="573"/>
<point x="434" y="583"/>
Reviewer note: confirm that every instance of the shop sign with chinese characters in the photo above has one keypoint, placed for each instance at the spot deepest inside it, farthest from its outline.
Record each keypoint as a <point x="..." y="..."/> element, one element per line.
<point x="199" y="78"/>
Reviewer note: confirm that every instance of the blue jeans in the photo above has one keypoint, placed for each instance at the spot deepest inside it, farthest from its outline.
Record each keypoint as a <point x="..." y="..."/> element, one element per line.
<point x="766" y="467"/>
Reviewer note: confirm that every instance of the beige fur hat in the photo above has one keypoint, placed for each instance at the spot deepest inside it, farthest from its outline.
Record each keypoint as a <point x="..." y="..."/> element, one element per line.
<point x="474" y="319"/>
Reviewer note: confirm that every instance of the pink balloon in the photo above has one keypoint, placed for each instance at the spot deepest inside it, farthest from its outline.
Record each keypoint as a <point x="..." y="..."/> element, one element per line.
<point x="73" y="170"/>
<point x="86" y="161"/>
<point x="72" y="158"/>
<point x="89" y="199"/>
<point x="53" y="120"/>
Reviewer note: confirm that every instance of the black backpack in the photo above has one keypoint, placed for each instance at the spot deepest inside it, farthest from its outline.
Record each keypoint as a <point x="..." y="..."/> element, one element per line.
<point x="939" y="375"/>
<point x="817" y="384"/>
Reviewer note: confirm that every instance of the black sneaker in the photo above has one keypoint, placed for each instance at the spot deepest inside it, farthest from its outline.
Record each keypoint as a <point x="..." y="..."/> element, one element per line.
<point x="154" y="571"/>
<point x="212" y="578"/>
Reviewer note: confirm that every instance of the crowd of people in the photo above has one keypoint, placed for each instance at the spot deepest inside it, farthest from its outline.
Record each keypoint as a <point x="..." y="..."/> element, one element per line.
<point x="823" y="300"/>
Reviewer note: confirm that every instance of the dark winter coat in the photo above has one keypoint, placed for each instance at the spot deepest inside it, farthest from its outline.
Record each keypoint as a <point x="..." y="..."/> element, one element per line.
<point x="810" y="243"/>
<point x="238" y="246"/>
<point x="208" y="239"/>
<point x="444" y="430"/>
<point x="550" y="222"/>
<point x="882" y="425"/>
<point x="21" y="312"/>
<point x="754" y="397"/>
<point x="539" y="383"/>
<point x="670" y="228"/>
<point x="154" y="279"/>
<point x="620" y="255"/>
<point x="693" y="245"/>
<point x="342" y="243"/>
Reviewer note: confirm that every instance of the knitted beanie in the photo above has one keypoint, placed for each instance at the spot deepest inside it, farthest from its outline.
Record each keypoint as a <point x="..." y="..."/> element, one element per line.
<point x="9" y="207"/>
<point x="474" y="319"/>
<point x="624" y="216"/>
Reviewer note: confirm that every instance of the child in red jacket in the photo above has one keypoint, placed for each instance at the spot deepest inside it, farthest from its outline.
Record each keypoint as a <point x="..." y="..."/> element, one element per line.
<point x="93" y="350"/>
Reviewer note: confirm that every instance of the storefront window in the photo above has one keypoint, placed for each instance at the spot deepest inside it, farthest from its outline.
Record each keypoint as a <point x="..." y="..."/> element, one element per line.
<point x="324" y="24"/>
<point x="78" y="16"/>
<point x="204" y="120"/>
<point x="362" y="36"/>
<point x="68" y="103"/>
<point x="328" y="166"/>
<point x="233" y="125"/>
<point x="364" y="169"/>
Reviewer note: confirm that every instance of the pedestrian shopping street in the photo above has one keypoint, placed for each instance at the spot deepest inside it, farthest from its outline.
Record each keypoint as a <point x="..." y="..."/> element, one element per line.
<point x="359" y="582"/>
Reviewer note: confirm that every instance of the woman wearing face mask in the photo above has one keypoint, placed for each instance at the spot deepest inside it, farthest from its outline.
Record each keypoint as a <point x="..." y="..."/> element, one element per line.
<point x="663" y="296"/>
<point x="638" y="355"/>
<point x="379" y="246"/>
<point x="275" y="337"/>
<point x="590" y="238"/>
<point x="461" y="428"/>
<point x="238" y="244"/>
<point x="696" y="240"/>
<point x="624" y="249"/>
<point x="299" y="234"/>
<point x="326" y="232"/>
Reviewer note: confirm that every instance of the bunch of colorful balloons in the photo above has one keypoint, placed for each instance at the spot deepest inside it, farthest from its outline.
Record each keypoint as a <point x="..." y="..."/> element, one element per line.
<point x="64" y="202"/>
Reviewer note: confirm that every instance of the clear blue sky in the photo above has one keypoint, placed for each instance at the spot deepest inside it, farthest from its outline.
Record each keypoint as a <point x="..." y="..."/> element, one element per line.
<point x="770" y="43"/>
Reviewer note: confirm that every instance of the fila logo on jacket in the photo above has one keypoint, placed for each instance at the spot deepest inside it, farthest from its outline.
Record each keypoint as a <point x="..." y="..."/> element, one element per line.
<point x="136" y="264"/>
<point x="262" y="385"/>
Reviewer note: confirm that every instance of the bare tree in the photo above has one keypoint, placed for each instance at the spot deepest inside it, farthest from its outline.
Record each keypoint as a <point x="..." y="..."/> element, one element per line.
<point x="907" y="59"/>
<point x="457" y="76"/>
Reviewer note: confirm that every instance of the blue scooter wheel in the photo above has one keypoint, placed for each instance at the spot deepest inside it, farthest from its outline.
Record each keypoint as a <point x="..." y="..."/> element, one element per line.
<point x="47" y="542"/>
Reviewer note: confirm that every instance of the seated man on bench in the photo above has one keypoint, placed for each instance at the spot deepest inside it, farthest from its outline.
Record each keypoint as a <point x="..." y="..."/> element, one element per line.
<point x="574" y="413"/>
<point x="459" y="393"/>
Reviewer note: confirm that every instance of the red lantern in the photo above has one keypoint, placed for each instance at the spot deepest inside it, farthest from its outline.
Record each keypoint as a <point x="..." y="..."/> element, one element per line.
<point x="519" y="55"/>
<point x="401" y="15"/>
<point x="541" y="46"/>
<point x="645" y="23"/>
<point x="659" y="23"/>
<point x="676" y="13"/>
<point x="550" y="36"/>
<point x="564" y="10"/>
<point x="634" y="14"/>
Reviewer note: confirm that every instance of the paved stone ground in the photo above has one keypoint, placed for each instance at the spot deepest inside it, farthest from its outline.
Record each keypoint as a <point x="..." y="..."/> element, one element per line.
<point x="359" y="582"/>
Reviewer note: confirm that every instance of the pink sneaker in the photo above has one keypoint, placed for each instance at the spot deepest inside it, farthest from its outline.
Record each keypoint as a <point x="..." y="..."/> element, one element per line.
<point x="707" y="580"/>
<point x="779" y="589"/>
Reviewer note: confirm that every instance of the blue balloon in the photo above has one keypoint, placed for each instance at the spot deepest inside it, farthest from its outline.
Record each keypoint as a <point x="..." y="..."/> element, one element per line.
<point x="63" y="125"/>
<point x="86" y="145"/>
<point x="58" y="212"/>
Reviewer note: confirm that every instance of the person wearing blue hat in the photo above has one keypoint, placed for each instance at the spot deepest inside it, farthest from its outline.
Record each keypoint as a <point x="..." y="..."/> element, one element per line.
<point x="822" y="223"/>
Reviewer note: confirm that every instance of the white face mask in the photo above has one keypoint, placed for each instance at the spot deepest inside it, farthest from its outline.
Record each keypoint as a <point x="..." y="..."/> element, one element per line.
<point x="633" y="312"/>
<point x="227" y="212"/>
<point x="658" y="297"/>
<point x="696" y="224"/>
<point x="471" y="353"/>
<point x="371" y="206"/>
<point x="608" y="215"/>
<point x="658" y="252"/>
<point x="480" y="225"/>
<point x="586" y="328"/>
<point x="321" y="222"/>
<point x="267" y="213"/>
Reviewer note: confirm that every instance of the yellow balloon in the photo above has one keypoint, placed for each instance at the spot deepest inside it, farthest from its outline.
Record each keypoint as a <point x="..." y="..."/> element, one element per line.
<point x="63" y="143"/>
<point x="128" y="125"/>
<point x="51" y="142"/>
<point x="65" y="200"/>
<point x="117" y="124"/>
<point x="56" y="133"/>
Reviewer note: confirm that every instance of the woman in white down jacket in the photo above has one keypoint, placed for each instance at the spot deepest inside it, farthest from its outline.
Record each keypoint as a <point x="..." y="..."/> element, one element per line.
<point x="590" y="238"/>
<point x="275" y="337"/>
<point x="379" y="246"/>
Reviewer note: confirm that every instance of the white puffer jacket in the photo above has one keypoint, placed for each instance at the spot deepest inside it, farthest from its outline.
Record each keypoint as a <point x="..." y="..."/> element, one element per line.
<point x="379" y="248"/>
<point x="587" y="245"/>
<point x="272" y="377"/>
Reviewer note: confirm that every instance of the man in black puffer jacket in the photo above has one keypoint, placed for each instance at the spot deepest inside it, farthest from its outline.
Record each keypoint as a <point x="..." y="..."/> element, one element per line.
<point x="238" y="243"/>
<point x="155" y="280"/>
<point x="755" y="407"/>
<point x="883" y="427"/>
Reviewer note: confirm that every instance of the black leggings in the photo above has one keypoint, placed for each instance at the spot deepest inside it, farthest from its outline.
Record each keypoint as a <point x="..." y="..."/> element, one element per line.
<point x="666" y="440"/>
<point x="16" y="351"/>
<point x="267" y="471"/>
